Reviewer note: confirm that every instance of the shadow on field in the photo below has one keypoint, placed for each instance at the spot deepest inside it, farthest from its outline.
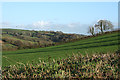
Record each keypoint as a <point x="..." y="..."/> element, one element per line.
<point x="89" y="43"/>
<point x="85" y="47"/>
<point x="107" y="37"/>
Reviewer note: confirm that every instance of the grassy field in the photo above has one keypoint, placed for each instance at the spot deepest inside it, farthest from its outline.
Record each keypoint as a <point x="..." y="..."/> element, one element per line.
<point x="101" y="44"/>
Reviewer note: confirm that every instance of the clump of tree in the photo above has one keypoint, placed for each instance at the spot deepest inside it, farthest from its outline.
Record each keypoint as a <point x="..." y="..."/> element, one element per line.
<point x="100" y="27"/>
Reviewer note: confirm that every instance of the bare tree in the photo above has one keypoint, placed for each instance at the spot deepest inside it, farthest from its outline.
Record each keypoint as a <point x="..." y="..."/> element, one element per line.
<point x="91" y="30"/>
<point x="104" y="25"/>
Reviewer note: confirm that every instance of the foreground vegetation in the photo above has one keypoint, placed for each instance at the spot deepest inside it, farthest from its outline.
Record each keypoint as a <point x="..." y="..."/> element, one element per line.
<point x="75" y="66"/>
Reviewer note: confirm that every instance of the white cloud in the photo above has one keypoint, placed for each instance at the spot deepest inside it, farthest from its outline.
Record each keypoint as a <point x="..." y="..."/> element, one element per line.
<point x="73" y="27"/>
<point x="6" y="24"/>
<point x="41" y="24"/>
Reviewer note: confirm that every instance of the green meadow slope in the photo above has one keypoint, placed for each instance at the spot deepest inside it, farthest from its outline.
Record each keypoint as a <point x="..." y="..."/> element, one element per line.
<point x="99" y="44"/>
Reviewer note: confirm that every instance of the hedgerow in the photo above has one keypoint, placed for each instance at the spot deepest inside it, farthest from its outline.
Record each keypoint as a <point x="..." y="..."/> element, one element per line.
<point x="76" y="66"/>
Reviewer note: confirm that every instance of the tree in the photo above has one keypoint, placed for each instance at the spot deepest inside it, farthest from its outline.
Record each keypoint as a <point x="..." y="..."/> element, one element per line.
<point x="91" y="30"/>
<point x="104" y="25"/>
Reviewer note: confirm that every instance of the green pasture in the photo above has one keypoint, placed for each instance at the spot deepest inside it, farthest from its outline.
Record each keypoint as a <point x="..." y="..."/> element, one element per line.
<point x="100" y="44"/>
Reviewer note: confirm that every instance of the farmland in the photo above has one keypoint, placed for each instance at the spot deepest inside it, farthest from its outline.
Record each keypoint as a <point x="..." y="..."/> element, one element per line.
<point x="107" y="43"/>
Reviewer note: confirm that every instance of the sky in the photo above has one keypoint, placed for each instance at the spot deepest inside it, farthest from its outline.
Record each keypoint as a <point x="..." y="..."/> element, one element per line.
<point x="68" y="17"/>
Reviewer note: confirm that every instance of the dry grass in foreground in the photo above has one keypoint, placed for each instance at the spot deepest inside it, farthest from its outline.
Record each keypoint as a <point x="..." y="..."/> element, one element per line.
<point x="75" y="66"/>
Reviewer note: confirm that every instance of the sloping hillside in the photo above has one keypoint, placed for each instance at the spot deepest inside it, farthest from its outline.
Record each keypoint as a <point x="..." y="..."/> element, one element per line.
<point x="14" y="39"/>
<point x="99" y="44"/>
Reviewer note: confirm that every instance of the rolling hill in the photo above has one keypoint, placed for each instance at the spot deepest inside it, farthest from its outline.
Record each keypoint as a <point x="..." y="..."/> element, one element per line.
<point x="15" y="39"/>
<point x="99" y="44"/>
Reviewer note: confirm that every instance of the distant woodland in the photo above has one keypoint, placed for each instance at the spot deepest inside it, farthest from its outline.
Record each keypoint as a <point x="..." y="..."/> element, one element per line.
<point x="14" y="39"/>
